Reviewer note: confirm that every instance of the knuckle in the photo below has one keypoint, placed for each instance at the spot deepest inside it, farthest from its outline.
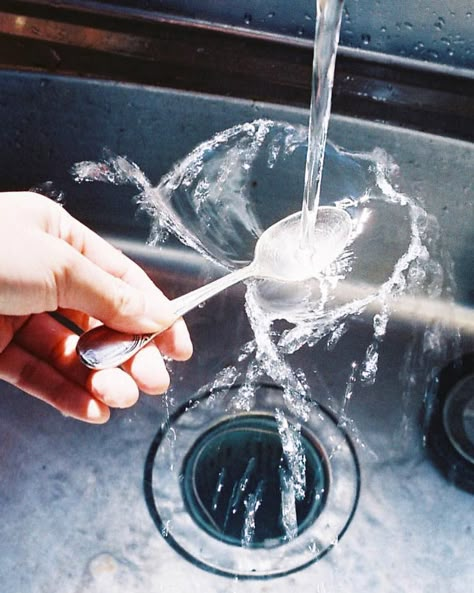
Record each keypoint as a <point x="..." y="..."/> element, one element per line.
<point x="127" y="301"/>
<point x="27" y="373"/>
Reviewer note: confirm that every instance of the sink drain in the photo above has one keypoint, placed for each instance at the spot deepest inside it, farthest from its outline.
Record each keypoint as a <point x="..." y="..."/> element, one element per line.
<point x="236" y="459"/>
<point x="218" y="485"/>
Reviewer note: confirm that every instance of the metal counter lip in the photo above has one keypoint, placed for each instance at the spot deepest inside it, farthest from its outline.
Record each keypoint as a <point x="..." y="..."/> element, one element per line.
<point x="127" y="13"/>
<point x="136" y="46"/>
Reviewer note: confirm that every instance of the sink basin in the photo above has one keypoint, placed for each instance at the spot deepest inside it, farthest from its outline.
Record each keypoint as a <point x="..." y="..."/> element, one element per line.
<point x="74" y="510"/>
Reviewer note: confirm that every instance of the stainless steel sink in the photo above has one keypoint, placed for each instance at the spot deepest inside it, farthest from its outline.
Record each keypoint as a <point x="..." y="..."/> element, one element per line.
<point x="75" y="516"/>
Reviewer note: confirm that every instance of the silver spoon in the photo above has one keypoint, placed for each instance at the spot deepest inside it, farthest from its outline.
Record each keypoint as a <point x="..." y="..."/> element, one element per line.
<point x="277" y="257"/>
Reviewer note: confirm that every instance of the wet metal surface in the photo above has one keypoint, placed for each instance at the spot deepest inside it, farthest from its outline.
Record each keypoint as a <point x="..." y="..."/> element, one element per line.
<point x="73" y="512"/>
<point x="148" y="47"/>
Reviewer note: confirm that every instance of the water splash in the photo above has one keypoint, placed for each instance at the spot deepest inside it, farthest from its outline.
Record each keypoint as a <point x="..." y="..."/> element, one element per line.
<point x="218" y="488"/>
<point x="238" y="492"/>
<point x="252" y="503"/>
<point x="216" y="200"/>
<point x="293" y="453"/>
<point x="289" y="518"/>
<point x="292" y="473"/>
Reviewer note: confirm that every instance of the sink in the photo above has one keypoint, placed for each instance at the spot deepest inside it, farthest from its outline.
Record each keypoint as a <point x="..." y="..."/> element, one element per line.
<point x="75" y="508"/>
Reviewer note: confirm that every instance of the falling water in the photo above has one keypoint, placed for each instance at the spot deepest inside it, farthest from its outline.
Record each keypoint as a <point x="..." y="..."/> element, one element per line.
<point x="328" y="24"/>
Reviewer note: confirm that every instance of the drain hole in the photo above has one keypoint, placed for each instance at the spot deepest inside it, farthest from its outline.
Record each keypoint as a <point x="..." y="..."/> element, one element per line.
<point x="228" y="496"/>
<point x="235" y="472"/>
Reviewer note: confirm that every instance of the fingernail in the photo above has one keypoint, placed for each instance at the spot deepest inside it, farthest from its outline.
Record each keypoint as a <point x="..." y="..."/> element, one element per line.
<point x="114" y="387"/>
<point x="97" y="413"/>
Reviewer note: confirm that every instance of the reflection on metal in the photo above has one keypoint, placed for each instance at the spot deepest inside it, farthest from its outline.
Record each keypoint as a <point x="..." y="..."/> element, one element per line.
<point x="407" y="309"/>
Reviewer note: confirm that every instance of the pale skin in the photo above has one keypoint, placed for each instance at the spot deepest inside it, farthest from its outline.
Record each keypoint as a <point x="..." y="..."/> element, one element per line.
<point x="49" y="261"/>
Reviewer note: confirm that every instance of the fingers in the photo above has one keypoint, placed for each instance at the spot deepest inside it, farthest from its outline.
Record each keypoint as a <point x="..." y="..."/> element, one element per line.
<point x="97" y="250"/>
<point x="36" y="377"/>
<point x="149" y="371"/>
<point x="84" y="286"/>
<point x="175" y="342"/>
<point x="67" y="265"/>
<point x="113" y="387"/>
<point x="42" y="361"/>
<point x="64" y="265"/>
<point x="115" y="290"/>
<point x="8" y="327"/>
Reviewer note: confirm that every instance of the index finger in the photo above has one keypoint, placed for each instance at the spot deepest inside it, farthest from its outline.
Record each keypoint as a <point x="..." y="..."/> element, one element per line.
<point x="108" y="258"/>
<point x="101" y="252"/>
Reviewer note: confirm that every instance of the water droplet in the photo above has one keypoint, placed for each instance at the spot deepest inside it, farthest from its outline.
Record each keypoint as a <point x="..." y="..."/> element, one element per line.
<point x="365" y="37"/>
<point x="408" y="26"/>
<point x="439" y="24"/>
<point x="383" y="29"/>
<point x="247" y="18"/>
<point x="270" y="15"/>
<point x="300" y="31"/>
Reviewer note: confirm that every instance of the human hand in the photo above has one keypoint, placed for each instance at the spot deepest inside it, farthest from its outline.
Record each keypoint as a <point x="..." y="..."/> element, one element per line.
<point x="49" y="261"/>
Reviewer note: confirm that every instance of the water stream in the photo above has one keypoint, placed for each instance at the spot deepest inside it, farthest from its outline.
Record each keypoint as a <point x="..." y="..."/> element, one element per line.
<point x="328" y="24"/>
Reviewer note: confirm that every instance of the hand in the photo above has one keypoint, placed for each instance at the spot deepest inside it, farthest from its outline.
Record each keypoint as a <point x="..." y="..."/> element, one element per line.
<point x="49" y="261"/>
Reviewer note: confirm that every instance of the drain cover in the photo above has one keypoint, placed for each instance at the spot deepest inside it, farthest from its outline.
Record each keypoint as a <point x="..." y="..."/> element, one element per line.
<point x="216" y="486"/>
<point x="450" y="436"/>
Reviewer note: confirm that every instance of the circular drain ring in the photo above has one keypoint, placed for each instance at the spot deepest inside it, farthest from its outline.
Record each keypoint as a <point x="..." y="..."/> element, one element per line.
<point x="169" y="510"/>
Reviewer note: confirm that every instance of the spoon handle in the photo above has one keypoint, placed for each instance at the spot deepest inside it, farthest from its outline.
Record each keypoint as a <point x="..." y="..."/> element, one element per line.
<point x="104" y="348"/>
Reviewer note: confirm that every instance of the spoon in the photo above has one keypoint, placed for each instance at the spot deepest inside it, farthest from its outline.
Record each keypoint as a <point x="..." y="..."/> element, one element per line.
<point x="278" y="256"/>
